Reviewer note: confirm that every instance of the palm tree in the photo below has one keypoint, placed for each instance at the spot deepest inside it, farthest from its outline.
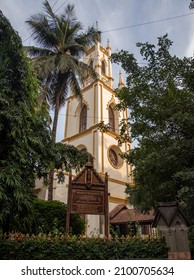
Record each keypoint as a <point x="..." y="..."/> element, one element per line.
<point x="61" y="43"/>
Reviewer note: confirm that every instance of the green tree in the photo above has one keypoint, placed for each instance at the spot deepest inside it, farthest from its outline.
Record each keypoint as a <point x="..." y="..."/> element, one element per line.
<point x="191" y="5"/>
<point x="160" y="97"/>
<point x="61" y="43"/>
<point x="49" y="217"/>
<point x="23" y="128"/>
<point x="26" y="147"/>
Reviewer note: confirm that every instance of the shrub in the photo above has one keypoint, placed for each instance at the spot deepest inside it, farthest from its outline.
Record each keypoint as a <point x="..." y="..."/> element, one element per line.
<point x="74" y="248"/>
<point x="49" y="216"/>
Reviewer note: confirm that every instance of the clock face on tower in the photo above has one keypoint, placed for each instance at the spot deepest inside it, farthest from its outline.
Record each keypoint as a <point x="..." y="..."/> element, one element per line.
<point x="114" y="158"/>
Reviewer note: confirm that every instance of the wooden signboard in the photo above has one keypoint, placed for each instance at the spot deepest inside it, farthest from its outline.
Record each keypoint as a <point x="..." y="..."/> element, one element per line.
<point x="87" y="202"/>
<point x="88" y="194"/>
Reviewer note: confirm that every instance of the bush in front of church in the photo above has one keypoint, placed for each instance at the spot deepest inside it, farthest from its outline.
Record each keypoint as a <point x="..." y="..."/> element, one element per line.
<point x="49" y="217"/>
<point x="64" y="247"/>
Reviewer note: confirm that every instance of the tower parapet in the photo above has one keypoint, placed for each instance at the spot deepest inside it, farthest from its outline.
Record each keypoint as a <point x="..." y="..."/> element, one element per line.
<point x="98" y="57"/>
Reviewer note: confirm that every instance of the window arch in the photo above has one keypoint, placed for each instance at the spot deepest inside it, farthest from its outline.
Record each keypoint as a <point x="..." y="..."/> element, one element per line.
<point x="91" y="64"/>
<point x="83" y="119"/>
<point x="111" y="118"/>
<point x="103" y="67"/>
<point x="82" y="148"/>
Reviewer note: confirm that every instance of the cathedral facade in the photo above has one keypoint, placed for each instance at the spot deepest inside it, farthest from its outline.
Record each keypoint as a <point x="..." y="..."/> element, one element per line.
<point x="82" y="131"/>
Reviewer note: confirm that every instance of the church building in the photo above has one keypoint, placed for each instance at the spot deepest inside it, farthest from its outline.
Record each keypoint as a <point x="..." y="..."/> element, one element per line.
<point x="82" y="131"/>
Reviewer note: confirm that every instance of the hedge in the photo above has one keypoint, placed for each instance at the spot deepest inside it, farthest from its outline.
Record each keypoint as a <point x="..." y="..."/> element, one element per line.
<point x="82" y="249"/>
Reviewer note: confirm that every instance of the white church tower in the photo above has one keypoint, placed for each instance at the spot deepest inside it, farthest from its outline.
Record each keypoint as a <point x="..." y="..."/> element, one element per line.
<point x="81" y="131"/>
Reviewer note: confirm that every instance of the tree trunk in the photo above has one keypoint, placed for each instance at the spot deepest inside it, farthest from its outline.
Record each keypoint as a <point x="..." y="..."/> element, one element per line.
<point x="55" y="122"/>
<point x="54" y="132"/>
<point x="50" y="188"/>
<point x="59" y="90"/>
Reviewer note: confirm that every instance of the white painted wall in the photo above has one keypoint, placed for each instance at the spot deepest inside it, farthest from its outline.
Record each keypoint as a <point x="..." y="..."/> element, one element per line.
<point x="97" y="96"/>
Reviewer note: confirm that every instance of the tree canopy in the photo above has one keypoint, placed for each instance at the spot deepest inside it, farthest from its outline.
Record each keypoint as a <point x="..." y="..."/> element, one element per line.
<point x="27" y="150"/>
<point x="191" y="5"/>
<point x="61" y="42"/>
<point x="19" y="127"/>
<point x="160" y="97"/>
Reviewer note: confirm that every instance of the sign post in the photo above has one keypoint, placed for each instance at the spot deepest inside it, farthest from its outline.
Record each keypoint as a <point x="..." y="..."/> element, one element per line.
<point x="88" y="194"/>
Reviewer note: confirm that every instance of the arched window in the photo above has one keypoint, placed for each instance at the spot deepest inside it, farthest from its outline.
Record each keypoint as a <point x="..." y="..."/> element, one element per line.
<point x="103" y="67"/>
<point x="83" y="150"/>
<point x="91" y="63"/>
<point x="83" y="119"/>
<point x="111" y="118"/>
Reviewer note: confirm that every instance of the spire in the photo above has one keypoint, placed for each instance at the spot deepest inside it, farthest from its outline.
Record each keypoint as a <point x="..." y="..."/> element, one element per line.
<point x="97" y="29"/>
<point x="108" y="48"/>
<point x="121" y="83"/>
<point x="108" y="44"/>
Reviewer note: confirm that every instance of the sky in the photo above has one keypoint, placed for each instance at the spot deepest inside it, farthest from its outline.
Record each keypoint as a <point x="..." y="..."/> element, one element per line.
<point x="123" y="22"/>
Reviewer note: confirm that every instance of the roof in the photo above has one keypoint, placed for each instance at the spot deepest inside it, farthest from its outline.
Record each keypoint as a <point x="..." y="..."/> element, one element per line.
<point x="88" y="175"/>
<point x="168" y="211"/>
<point x="121" y="215"/>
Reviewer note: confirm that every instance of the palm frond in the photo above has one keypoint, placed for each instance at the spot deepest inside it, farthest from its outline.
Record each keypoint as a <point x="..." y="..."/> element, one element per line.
<point x="42" y="33"/>
<point x="69" y="14"/>
<point x="68" y="63"/>
<point x="49" y="11"/>
<point x="37" y="52"/>
<point x="85" y="72"/>
<point x="45" y="66"/>
<point x="63" y="62"/>
<point x="75" y="86"/>
<point x="61" y="89"/>
<point x="89" y="37"/>
<point x="61" y="34"/>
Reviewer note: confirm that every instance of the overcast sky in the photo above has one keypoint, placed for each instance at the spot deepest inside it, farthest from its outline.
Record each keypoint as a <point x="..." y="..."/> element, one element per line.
<point x="123" y="22"/>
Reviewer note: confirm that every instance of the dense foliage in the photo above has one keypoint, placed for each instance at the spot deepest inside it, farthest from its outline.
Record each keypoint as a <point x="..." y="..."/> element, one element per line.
<point x="191" y="5"/>
<point x="82" y="249"/>
<point x="49" y="217"/>
<point x="27" y="150"/>
<point x="160" y="97"/>
<point x="23" y="129"/>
